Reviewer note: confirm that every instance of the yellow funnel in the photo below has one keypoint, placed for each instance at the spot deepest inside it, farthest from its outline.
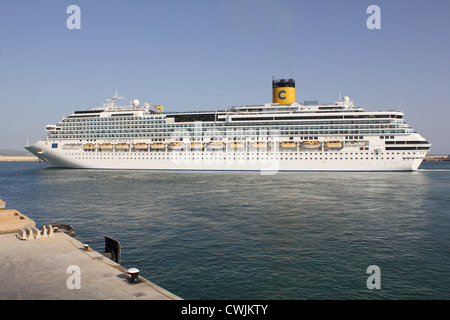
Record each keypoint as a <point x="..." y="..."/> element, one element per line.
<point x="283" y="91"/>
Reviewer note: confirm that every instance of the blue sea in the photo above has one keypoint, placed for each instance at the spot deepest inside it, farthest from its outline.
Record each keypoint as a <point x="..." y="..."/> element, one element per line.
<point x="243" y="235"/>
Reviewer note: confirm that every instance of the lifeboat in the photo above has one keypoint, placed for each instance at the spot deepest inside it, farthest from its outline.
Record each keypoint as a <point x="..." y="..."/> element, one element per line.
<point x="310" y="144"/>
<point x="196" y="145"/>
<point x="88" y="146"/>
<point x="122" y="146"/>
<point x="236" y="145"/>
<point x="106" y="146"/>
<point x="287" y="144"/>
<point x="259" y="145"/>
<point x="157" y="146"/>
<point x="333" y="144"/>
<point x="215" y="145"/>
<point x="140" y="146"/>
<point x="176" y="145"/>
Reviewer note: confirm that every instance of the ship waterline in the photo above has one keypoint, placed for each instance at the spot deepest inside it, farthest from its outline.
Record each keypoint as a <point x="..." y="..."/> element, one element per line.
<point x="271" y="137"/>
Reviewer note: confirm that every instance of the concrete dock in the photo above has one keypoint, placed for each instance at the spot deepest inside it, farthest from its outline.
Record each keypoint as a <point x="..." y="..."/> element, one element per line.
<point x="49" y="265"/>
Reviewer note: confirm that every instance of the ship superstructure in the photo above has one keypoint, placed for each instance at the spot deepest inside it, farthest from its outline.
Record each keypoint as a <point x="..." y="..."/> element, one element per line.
<point x="279" y="136"/>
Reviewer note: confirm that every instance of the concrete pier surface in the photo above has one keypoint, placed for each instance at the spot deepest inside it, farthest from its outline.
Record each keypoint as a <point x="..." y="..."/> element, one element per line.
<point x="46" y="265"/>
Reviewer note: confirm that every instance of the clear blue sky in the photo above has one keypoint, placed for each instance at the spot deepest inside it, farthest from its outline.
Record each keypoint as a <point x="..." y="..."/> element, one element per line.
<point x="205" y="55"/>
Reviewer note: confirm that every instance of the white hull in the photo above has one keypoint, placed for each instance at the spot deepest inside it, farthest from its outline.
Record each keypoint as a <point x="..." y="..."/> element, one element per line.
<point x="229" y="159"/>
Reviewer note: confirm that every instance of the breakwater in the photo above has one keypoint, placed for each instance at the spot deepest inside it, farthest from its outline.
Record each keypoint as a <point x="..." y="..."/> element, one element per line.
<point x="24" y="158"/>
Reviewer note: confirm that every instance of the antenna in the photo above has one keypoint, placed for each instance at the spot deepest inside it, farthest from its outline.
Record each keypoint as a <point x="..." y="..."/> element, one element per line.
<point x="114" y="99"/>
<point x="400" y="105"/>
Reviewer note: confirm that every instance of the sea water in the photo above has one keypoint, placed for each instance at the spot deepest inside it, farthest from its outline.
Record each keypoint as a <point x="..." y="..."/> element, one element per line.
<point x="244" y="235"/>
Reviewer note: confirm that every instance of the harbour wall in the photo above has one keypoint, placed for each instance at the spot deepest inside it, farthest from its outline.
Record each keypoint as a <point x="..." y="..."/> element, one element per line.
<point x="50" y="264"/>
<point x="437" y="158"/>
<point x="24" y="158"/>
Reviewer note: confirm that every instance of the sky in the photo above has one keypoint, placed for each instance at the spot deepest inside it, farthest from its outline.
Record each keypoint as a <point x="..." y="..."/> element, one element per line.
<point x="208" y="55"/>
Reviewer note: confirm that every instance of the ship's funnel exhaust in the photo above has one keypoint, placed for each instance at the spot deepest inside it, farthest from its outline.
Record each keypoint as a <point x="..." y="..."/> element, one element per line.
<point x="283" y="91"/>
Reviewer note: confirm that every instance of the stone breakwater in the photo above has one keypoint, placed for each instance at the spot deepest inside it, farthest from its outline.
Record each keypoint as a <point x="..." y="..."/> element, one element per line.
<point x="19" y="158"/>
<point x="437" y="158"/>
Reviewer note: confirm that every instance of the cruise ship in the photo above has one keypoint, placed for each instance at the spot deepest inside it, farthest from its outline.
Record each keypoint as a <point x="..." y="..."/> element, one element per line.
<point x="283" y="135"/>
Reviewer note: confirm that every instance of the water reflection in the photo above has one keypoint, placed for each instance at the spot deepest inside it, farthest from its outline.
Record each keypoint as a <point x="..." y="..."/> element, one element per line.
<point x="216" y="235"/>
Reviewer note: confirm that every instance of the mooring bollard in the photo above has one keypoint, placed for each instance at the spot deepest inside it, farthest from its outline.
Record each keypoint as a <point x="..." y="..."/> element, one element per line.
<point x="134" y="274"/>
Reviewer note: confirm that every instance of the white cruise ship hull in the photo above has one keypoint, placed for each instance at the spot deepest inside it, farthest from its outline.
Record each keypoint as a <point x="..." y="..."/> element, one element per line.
<point x="264" y="160"/>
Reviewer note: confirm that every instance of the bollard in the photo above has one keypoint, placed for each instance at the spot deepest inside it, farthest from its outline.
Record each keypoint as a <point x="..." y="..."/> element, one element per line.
<point x="86" y="247"/>
<point x="134" y="274"/>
